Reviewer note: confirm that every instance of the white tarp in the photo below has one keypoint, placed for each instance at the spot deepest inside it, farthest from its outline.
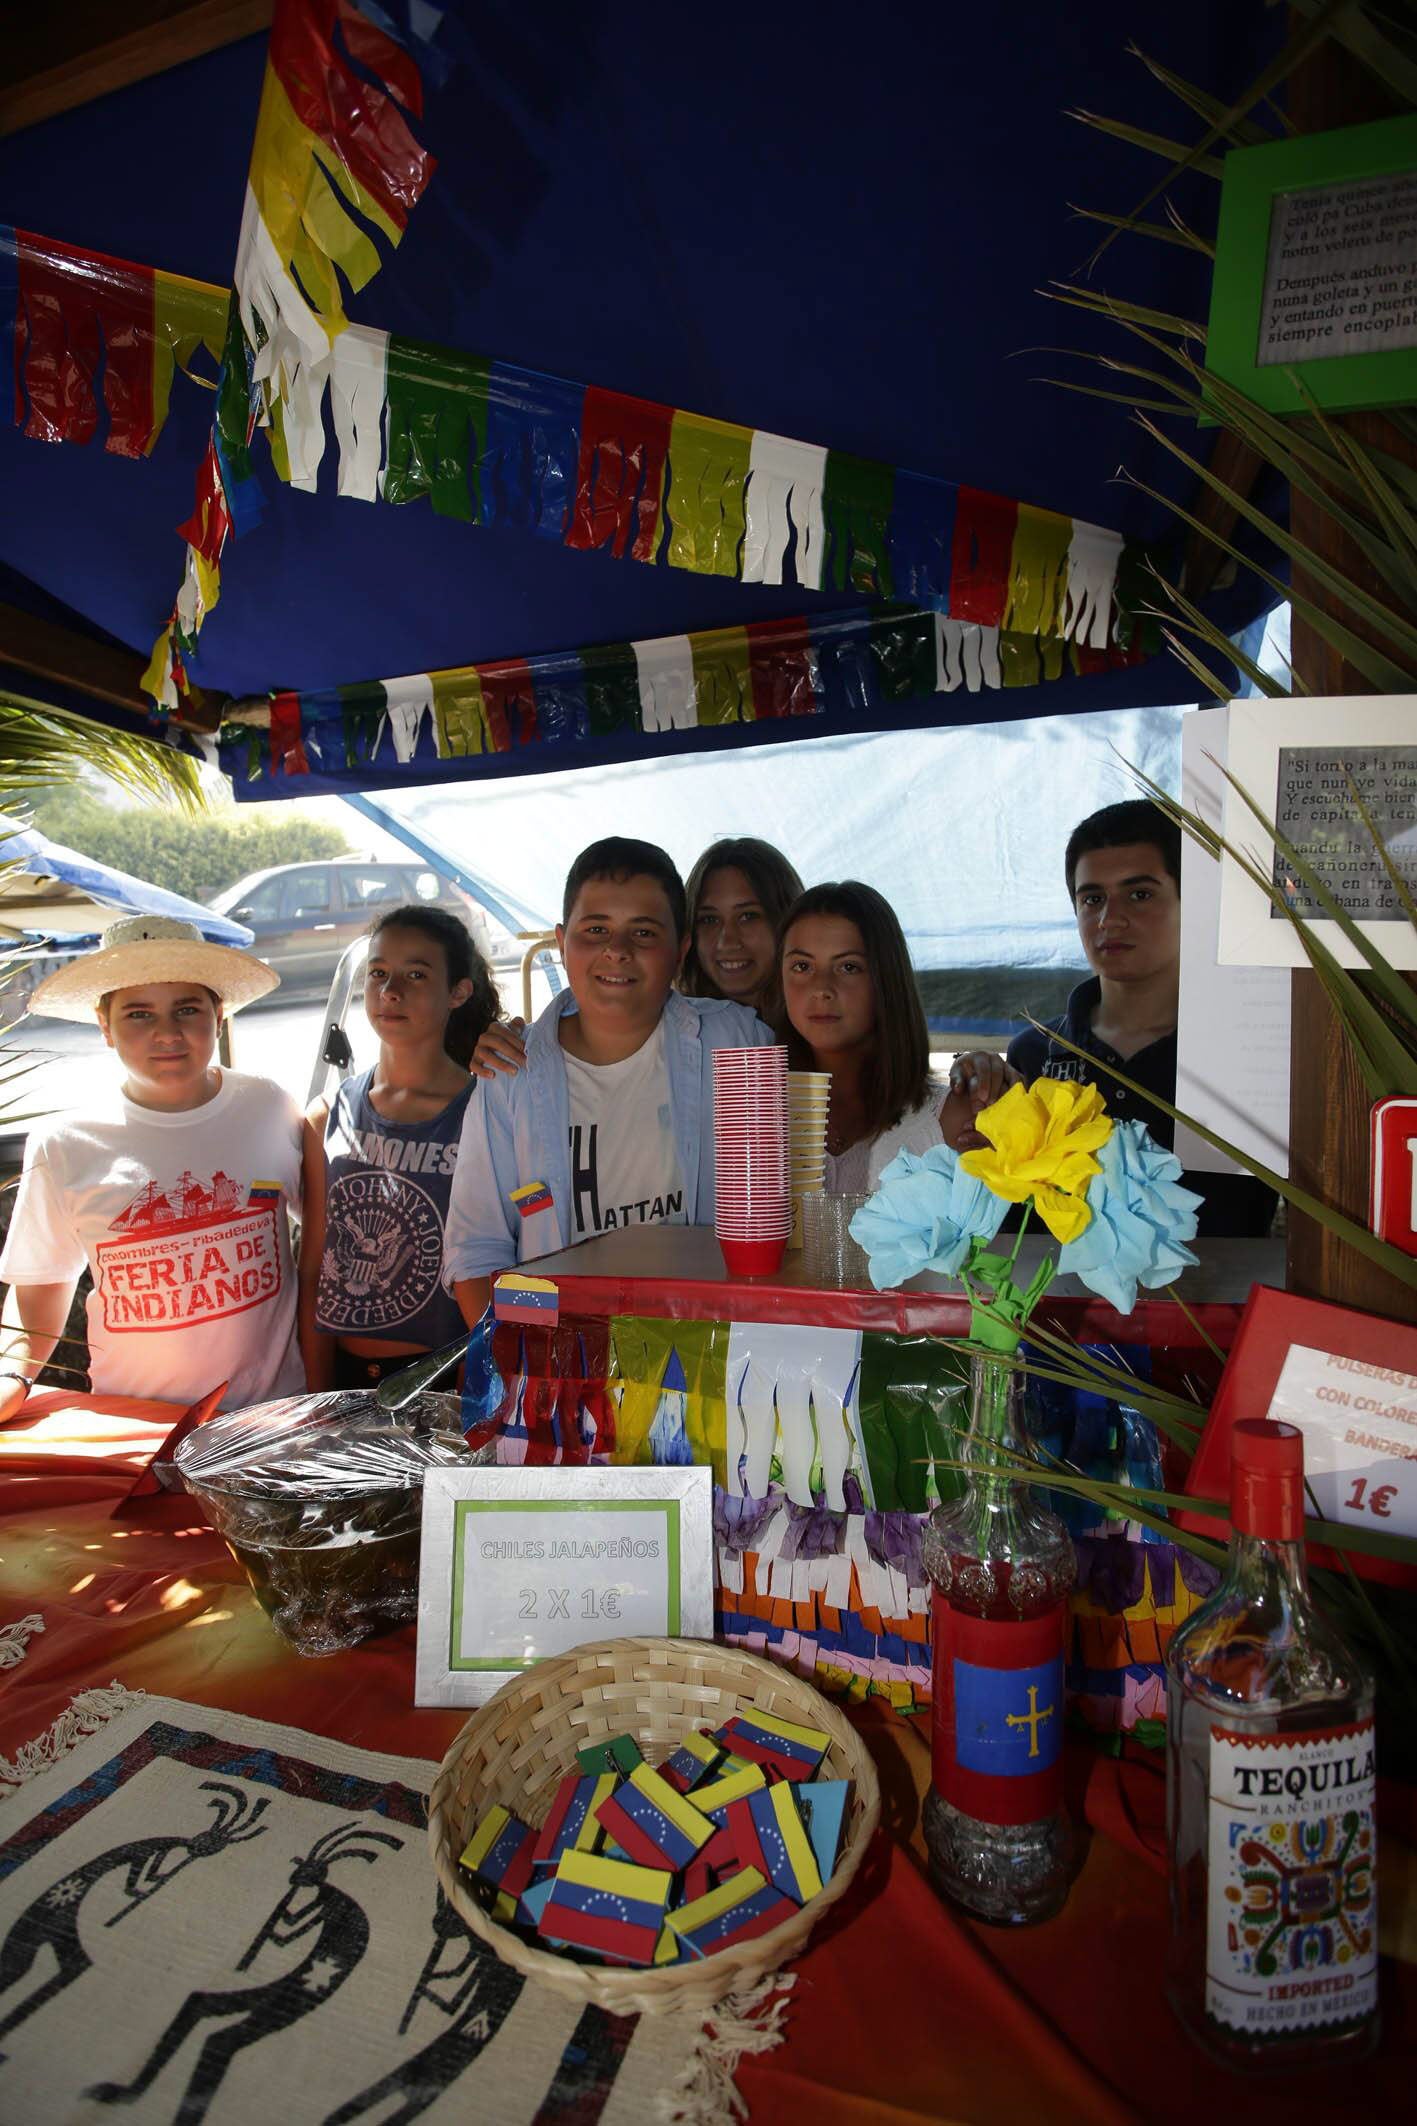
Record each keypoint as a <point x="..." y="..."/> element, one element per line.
<point x="961" y="829"/>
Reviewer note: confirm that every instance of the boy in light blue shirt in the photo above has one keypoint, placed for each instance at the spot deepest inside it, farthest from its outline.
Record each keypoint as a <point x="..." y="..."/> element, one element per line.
<point x="610" y="1123"/>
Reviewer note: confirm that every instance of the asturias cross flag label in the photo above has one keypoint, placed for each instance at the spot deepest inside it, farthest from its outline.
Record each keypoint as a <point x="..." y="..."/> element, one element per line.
<point x="999" y="1714"/>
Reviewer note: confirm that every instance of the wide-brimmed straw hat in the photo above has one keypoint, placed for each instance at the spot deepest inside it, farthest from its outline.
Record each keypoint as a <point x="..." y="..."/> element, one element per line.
<point x="152" y="948"/>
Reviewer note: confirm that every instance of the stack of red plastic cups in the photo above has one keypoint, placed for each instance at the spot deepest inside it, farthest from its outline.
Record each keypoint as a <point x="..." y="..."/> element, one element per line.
<point x="753" y="1202"/>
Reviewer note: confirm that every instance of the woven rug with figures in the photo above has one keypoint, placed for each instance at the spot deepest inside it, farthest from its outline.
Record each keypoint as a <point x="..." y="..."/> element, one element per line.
<point x="207" y="1918"/>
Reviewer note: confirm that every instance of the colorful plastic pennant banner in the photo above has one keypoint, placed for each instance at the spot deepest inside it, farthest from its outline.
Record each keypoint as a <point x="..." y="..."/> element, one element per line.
<point x="855" y="664"/>
<point x="498" y="446"/>
<point x="78" y="314"/>
<point x="331" y="136"/>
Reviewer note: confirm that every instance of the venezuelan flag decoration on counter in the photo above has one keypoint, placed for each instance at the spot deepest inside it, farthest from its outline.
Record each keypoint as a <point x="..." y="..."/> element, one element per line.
<point x="817" y="1540"/>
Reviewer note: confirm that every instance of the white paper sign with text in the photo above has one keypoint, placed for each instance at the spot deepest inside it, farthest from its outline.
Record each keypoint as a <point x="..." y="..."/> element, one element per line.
<point x="1359" y="1423"/>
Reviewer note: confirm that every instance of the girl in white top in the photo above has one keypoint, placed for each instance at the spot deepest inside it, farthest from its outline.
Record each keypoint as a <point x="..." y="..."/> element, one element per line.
<point x="852" y="1009"/>
<point x="176" y="1191"/>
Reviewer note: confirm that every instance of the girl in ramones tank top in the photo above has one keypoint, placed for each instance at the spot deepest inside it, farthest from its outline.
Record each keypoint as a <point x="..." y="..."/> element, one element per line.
<point x="371" y="1250"/>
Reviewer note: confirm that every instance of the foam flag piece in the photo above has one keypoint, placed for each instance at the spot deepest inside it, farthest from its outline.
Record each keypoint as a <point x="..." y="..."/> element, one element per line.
<point x="717" y="1794"/>
<point x="533" y="1900"/>
<point x="607" y="1906"/>
<point x="823" y="1807"/>
<point x="764" y="1739"/>
<point x="668" y="1949"/>
<point x="620" y="1754"/>
<point x="737" y="1910"/>
<point x="533" y="1301"/>
<point x="696" y="1757"/>
<point x="499" y="1851"/>
<point x="769" y="1834"/>
<point x="711" y="1864"/>
<point x="571" y="1824"/>
<point x="531" y="1197"/>
<point x="657" y="1826"/>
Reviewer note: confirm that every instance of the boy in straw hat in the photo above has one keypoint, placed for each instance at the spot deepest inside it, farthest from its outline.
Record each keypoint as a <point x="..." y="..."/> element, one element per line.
<point x="176" y="1191"/>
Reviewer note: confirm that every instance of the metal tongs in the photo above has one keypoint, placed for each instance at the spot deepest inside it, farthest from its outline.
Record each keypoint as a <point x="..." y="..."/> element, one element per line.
<point x="397" y="1390"/>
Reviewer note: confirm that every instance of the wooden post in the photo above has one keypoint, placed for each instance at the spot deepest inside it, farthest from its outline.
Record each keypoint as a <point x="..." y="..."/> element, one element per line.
<point x="1329" y="1101"/>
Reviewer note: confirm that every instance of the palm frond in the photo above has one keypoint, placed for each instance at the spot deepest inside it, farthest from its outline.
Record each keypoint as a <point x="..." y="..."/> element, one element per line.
<point x="1184" y="237"/>
<point x="41" y="745"/>
<point x="1385" y="676"/>
<point x="1297" y="49"/>
<point x="1153" y="143"/>
<point x="1245" y="132"/>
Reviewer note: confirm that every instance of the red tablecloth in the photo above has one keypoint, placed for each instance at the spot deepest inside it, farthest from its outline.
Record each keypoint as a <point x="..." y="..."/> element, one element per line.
<point x="901" y="2011"/>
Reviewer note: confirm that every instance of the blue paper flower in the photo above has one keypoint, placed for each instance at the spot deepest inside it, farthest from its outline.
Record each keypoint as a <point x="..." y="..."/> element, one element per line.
<point x="1140" y="1223"/>
<point x="923" y="1216"/>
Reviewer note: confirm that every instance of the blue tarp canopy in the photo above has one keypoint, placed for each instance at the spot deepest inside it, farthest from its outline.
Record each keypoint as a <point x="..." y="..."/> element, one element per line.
<point x="812" y="219"/>
<point x="48" y="891"/>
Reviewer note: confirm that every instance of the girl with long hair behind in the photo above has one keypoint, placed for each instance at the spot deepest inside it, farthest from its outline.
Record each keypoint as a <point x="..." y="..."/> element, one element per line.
<point x="851" y="1008"/>
<point x="372" y="1243"/>
<point x="738" y="892"/>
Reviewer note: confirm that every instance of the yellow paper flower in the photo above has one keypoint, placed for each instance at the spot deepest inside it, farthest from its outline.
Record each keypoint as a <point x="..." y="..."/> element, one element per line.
<point x="1042" y="1138"/>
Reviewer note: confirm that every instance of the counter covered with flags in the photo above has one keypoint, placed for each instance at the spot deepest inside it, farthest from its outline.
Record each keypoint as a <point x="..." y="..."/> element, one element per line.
<point x="831" y="1422"/>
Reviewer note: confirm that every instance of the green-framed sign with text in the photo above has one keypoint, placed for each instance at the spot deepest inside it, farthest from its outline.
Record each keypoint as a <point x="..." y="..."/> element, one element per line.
<point x="1316" y="270"/>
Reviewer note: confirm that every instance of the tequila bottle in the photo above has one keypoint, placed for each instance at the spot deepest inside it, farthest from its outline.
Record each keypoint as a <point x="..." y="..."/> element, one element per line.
<point x="1273" y="1960"/>
<point x="1001" y="1564"/>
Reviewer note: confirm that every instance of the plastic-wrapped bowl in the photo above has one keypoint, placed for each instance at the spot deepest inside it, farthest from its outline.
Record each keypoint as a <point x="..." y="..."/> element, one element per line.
<point x="319" y="1499"/>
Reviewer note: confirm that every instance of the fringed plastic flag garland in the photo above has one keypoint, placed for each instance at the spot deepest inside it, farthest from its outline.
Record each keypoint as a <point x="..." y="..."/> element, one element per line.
<point x="596" y="470"/>
<point x="331" y="136"/>
<point x="854" y="665"/>
<point x="1026" y="593"/>
<point x="78" y="316"/>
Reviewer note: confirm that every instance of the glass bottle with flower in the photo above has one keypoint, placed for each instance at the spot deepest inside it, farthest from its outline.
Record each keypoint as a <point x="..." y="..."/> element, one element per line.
<point x="1000" y="1560"/>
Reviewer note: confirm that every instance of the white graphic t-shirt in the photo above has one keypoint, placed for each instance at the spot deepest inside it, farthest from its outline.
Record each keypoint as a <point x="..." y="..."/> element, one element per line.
<point x="624" y="1167"/>
<point x="184" y="1222"/>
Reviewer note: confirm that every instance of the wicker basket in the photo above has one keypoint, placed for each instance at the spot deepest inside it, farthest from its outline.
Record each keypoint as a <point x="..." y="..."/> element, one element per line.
<point x="522" y="1742"/>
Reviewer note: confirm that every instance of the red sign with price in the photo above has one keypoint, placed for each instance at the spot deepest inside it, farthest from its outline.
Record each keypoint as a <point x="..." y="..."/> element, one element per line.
<point x="1349" y="1382"/>
<point x="1393" y="1175"/>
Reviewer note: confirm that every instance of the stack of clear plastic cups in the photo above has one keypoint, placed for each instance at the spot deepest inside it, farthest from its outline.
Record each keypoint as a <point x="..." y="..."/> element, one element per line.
<point x="753" y="1205"/>
<point x="808" y="1096"/>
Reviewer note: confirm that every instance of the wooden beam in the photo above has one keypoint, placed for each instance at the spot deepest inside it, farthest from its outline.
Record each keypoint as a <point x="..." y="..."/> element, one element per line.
<point x="103" y="671"/>
<point x="1329" y="1101"/>
<point x="50" y="76"/>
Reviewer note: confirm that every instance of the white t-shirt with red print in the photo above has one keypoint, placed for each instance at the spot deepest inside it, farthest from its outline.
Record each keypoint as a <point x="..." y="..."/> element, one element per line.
<point x="184" y="1222"/>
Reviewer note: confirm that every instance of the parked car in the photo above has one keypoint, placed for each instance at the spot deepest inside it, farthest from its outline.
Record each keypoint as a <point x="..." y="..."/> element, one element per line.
<point x="304" y="915"/>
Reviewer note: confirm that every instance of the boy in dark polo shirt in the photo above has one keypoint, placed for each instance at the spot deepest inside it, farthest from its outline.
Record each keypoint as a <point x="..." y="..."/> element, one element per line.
<point x="1124" y="880"/>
